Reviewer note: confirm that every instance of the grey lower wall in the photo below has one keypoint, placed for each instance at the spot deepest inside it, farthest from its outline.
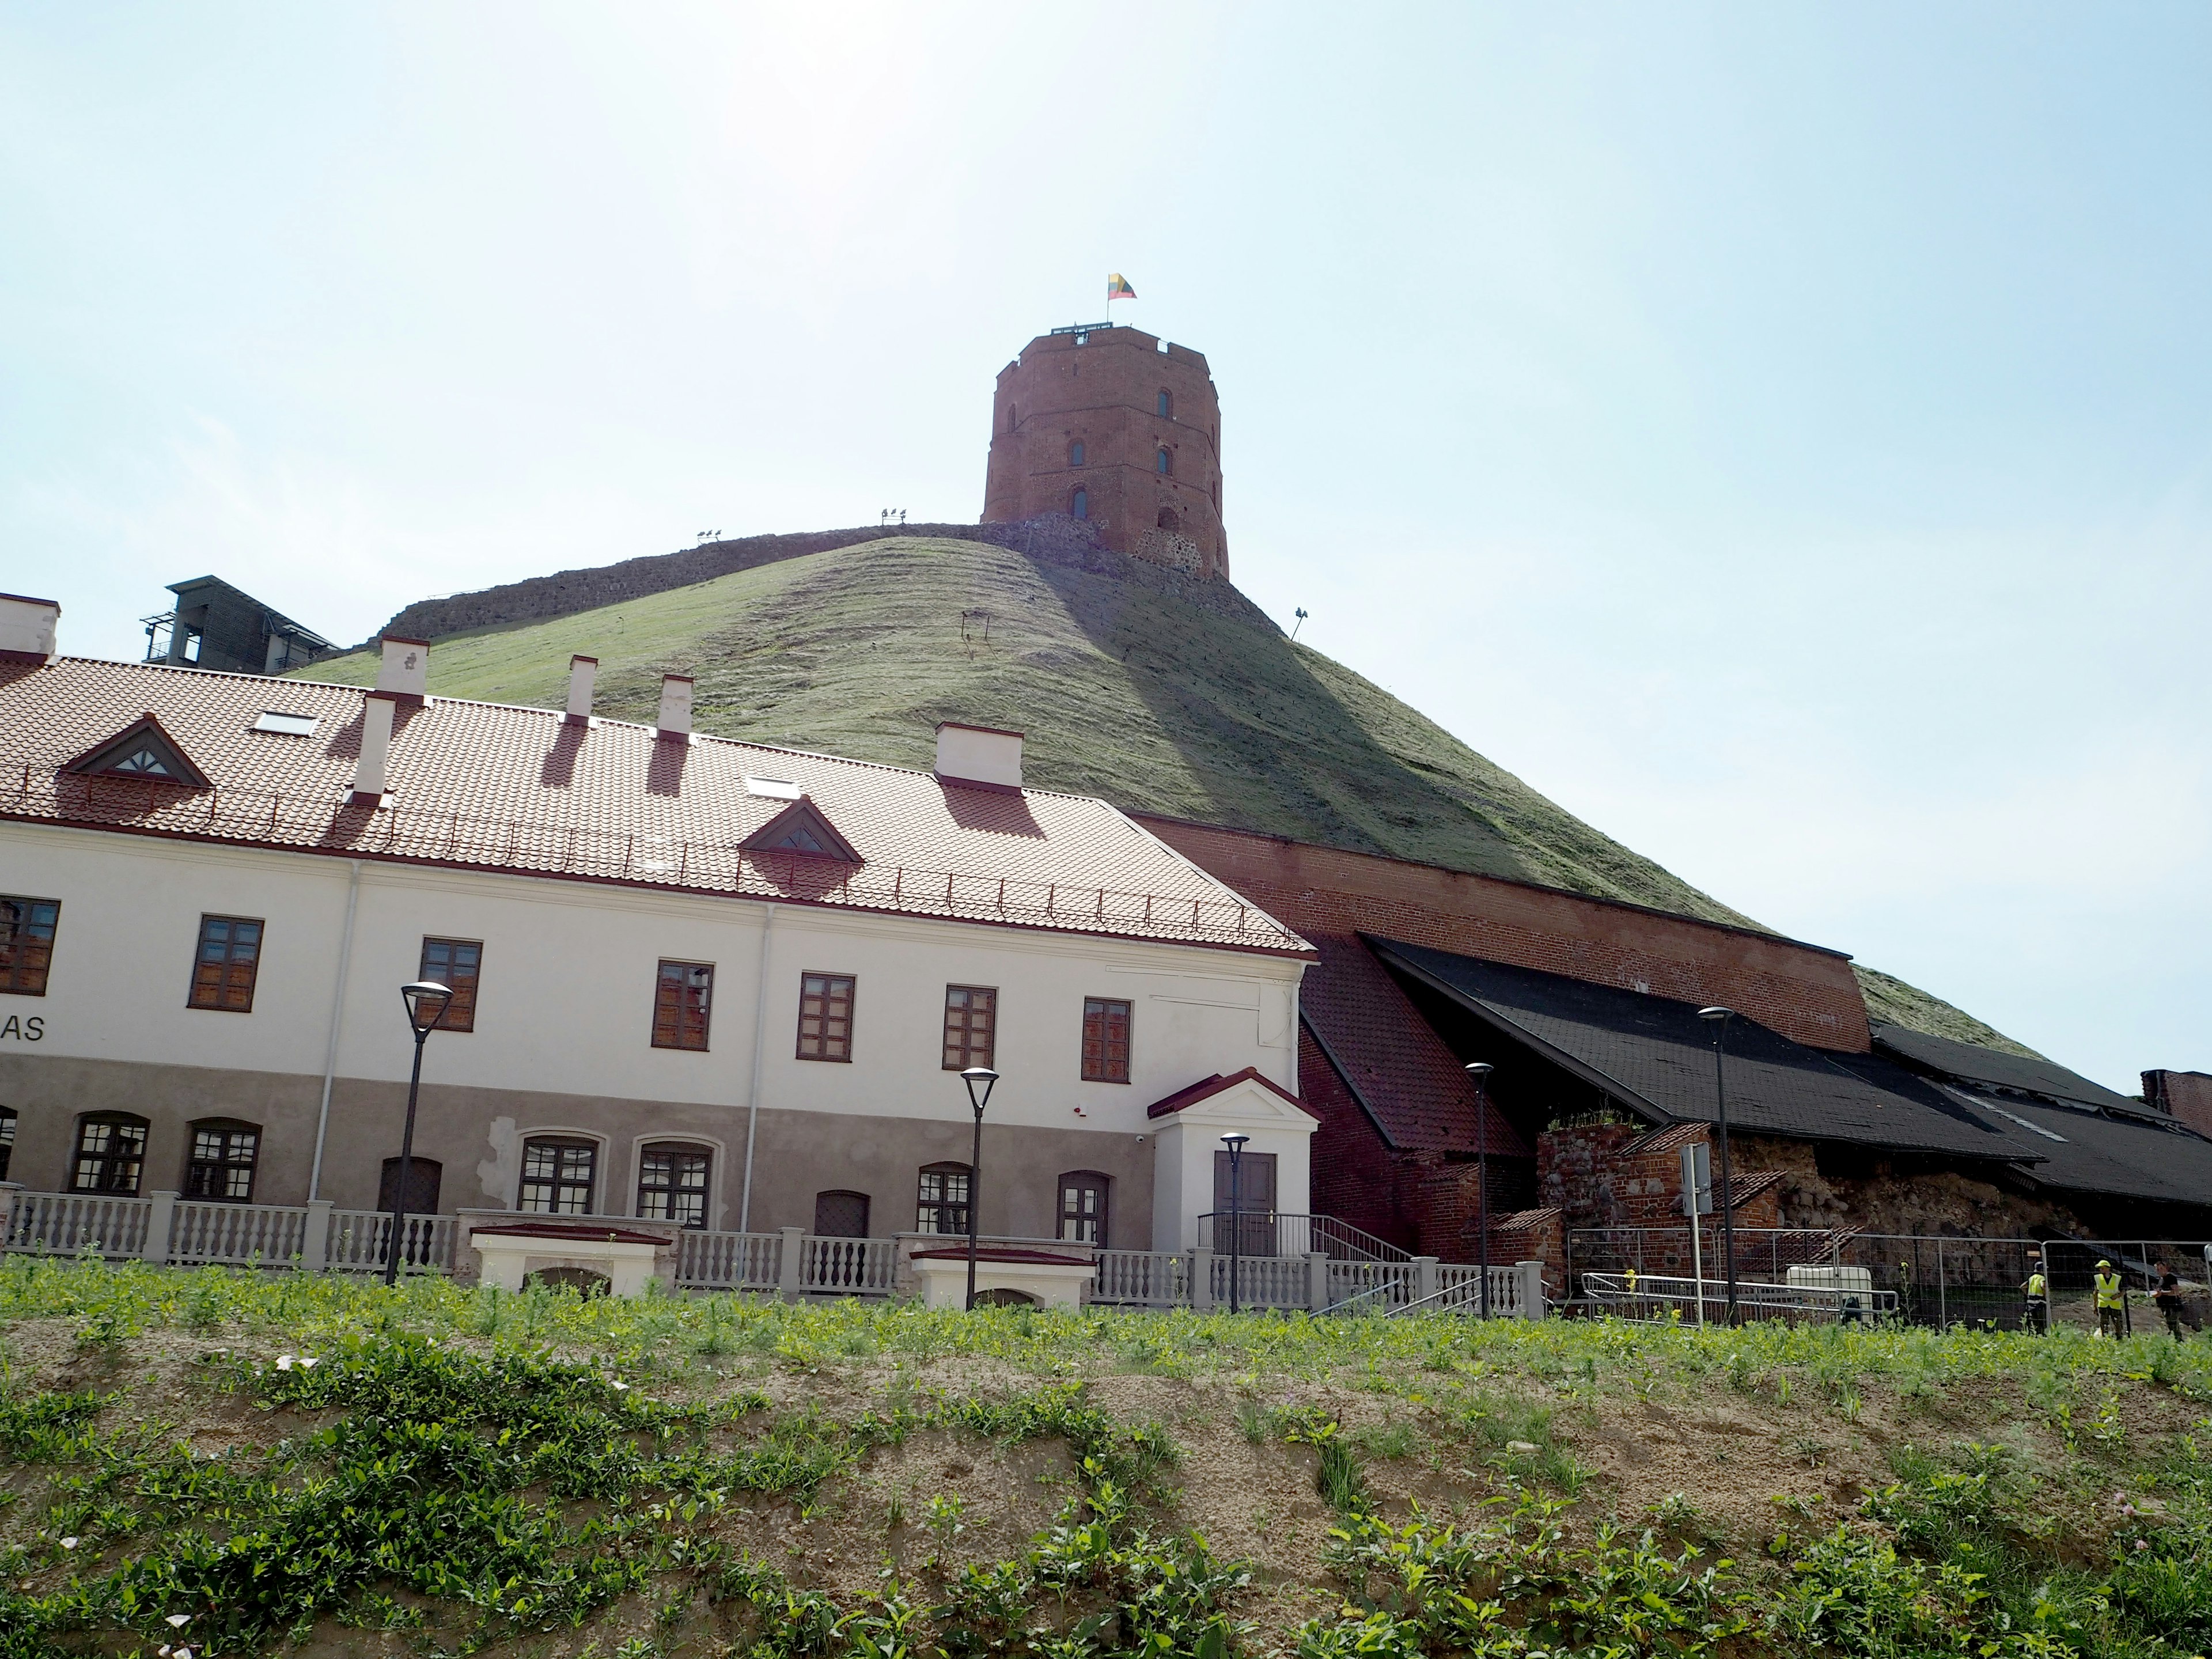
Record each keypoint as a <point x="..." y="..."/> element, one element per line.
<point x="476" y="1135"/>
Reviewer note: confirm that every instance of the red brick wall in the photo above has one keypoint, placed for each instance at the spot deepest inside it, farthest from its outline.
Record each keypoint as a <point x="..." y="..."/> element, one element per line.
<point x="1104" y="393"/>
<point x="1800" y="990"/>
<point x="2186" y="1096"/>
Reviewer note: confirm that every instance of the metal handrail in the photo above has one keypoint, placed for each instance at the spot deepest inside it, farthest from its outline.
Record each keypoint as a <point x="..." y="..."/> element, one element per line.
<point x="418" y="835"/>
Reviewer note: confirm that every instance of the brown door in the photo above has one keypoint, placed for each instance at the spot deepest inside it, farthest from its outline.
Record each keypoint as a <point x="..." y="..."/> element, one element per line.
<point x="1256" y="1202"/>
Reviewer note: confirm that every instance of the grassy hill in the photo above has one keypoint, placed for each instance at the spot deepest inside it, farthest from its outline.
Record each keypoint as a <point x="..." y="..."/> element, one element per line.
<point x="1132" y="683"/>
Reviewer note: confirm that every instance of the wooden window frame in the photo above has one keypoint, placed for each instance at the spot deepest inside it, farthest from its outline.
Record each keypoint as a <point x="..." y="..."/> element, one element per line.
<point x="1081" y="1181"/>
<point x="216" y="994"/>
<point x="672" y="994"/>
<point x="460" y="1014"/>
<point x="108" y="1158"/>
<point x="959" y="1052"/>
<point x="558" y="1179"/>
<point x="216" y="1171"/>
<point x="824" y="1015"/>
<point x="942" y="1202"/>
<point x="1097" y="1065"/>
<point x="28" y="928"/>
<point x="673" y="1188"/>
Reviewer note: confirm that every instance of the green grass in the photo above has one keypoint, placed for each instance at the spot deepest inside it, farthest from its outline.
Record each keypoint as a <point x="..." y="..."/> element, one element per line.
<point x="1157" y="694"/>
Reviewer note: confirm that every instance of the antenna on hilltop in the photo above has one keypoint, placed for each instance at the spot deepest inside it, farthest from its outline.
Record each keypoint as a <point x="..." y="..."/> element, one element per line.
<point x="1301" y="615"/>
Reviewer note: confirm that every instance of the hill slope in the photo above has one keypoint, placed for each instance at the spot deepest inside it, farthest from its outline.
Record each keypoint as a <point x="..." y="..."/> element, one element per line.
<point x="1132" y="683"/>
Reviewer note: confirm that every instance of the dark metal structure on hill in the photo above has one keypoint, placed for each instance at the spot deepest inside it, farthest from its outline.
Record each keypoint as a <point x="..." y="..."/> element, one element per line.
<point x="214" y="625"/>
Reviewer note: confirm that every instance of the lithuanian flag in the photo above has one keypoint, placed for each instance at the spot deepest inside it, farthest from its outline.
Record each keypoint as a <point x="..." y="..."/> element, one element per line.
<point x="1117" y="288"/>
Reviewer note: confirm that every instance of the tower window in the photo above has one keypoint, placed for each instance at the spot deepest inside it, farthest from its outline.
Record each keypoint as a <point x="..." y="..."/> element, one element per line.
<point x="1167" y="404"/>
<point x="1163" y="464"/>
<point x="1011" y="418"/>
<point x="1079" y="504"/>
<point x="1168" y="519"/>
<point x="1075" y="453"/>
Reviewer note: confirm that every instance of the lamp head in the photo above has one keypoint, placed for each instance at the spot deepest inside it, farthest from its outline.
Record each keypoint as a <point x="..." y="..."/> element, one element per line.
<point x="980" y="1079"/>
<point x="1235" y="1142"/>
<point x="425" y="1001"/>
<point x="1480" y="1070"/>
<point x="1716" y="1013"/>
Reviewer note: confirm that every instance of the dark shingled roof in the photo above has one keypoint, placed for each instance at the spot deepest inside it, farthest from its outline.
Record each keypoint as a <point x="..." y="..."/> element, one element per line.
<point x="2133" y="1156"/>
<point x="1974" y="1063"/>
<point x="1654" y="1055"/>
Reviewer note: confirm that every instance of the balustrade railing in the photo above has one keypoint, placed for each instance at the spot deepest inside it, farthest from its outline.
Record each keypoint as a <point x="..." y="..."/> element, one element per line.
<point x="729" y="1262"/>
<point x="64" y="1223"/>
<point x="1264" y="1281"/>
<point x="1141" y="1279"/>
<point x="236" y="1235"/>
<point x="858" y="1266"/>
<point x="360" y="1239"/>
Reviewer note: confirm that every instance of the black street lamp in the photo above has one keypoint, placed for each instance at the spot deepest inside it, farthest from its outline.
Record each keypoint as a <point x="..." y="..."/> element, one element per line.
<point x="1480" y="1073"/>
<point x="1719" y="1018"/>
<point x="425" y="1001"/>
<point x="980" y="1080"/>
<point x="1235" y="1143"/>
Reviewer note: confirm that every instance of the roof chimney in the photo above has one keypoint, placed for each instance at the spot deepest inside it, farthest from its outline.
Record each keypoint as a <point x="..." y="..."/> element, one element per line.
<point x="675" y="720"/>
<point x="582" y="671"/>
<point x="369" y="777"/>
<point x="405" y="668"/>
<point x="981" y="756"/>
<point x="26" y="627"/>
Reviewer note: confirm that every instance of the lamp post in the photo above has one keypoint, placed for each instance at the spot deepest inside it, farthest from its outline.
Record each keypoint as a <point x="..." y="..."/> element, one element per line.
<point x="1235" y="1143"/>
<point x="980" y="1080"/>
<point x="1480" y="1073"/>
<point x="425" y="1001"/>
<point x="1719" y="1018"/>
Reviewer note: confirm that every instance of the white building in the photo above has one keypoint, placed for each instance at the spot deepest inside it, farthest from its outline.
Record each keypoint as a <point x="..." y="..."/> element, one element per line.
<point x="700" y="980"/>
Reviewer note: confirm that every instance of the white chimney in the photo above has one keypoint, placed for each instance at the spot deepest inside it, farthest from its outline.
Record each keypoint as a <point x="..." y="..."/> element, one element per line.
<point x="27" y="626"/>
<point x="979" y="754"/>
<point x="369" y="777"/>
<point x="582" y="671"/>
<point x="675" y="706"/>
<point x="405" y="668"/>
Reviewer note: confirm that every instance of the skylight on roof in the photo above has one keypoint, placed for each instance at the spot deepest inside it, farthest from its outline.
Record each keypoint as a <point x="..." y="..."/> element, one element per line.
<point x="772" y="789"/>
<point x="289" y="725"/>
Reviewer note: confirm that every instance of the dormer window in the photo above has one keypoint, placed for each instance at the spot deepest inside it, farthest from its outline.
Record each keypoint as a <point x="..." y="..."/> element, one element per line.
<point x="801" y="827"/>
<point x="142" y="749"/>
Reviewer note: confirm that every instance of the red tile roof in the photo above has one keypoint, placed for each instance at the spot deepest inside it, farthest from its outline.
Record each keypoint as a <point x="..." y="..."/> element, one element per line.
<point x="488" y="786"/>
<point x="1209" y="1087"/>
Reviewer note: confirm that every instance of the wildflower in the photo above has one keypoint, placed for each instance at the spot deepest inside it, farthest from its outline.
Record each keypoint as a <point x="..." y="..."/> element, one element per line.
<point x="308" y="1362"/>
<point x="2142" y="1544"/>
<point x="622" y="1388"/>
<point x="283" y="1362"/>
<point x="70" y="1543"/>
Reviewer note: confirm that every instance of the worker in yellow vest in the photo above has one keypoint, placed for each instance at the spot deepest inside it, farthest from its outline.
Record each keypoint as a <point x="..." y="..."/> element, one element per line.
<point x="2111" y="1302"/>
<point x="2038" y="1290"/>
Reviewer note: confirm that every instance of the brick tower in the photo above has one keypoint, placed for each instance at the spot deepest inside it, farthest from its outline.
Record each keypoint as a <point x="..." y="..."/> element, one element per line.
<point x="1117" y="427"/>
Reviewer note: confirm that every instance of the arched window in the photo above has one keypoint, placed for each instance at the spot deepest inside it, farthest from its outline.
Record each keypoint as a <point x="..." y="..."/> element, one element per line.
<point x="941" y="1199"/>
<point x="111" y="1154"/>
<point x="1079" y="504"/>
<point x="1168" y="519"/>
<point x="1167" y="404"/>
<point x="1163" y="464"/>
<point x="558" y="1172"/>
<point x="1012" y="416"/>
<point x="1083" y="1207"/>
<point x="224" y="1152"/>
<point x="671" y="1182"/>
<point x="1075" y="453"/>
<point x="7" y="1138"/>
<point x="840" y="1215"/>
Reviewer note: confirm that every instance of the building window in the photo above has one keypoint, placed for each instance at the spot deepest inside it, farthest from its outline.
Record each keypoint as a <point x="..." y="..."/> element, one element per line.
<point x="1166" y="404"/>
<point x="6" y="1140"/>
<point x="557" y="1175"/>
<point x="942" y="1203"/>
<point x="1078" y="505"/>
<point x="671" y="1183"/>
<point x="971" y="1019"/>
<point x="840" y="1215"/>
<point x="679" y="1005"/>
<point x="1105" y="1040"/>
<point x="111" y="1154"/>
<point x="1083" y="1208"/>
<point x="27" y="944"/>
<point x="229" y="957"/>
<point x="825" y="1017"/>
<point x="222" y="1165"/>
<point x="454" y="964"/>
<point x="1163" y="463"/>
<point x="1011" y="418"/>
<point x="424" y="1177"/>
<point x="1075" y="453"/>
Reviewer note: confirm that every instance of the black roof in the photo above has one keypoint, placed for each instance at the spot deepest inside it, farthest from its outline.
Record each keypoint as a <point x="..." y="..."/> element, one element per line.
<point x="1654" y="1055"/>
<point x="1972" y="1063"/>
<point x="2086" y="1151"/>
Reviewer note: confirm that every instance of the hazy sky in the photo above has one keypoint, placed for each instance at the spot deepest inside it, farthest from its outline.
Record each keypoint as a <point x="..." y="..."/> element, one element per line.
<point x="1780" y="434"/>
